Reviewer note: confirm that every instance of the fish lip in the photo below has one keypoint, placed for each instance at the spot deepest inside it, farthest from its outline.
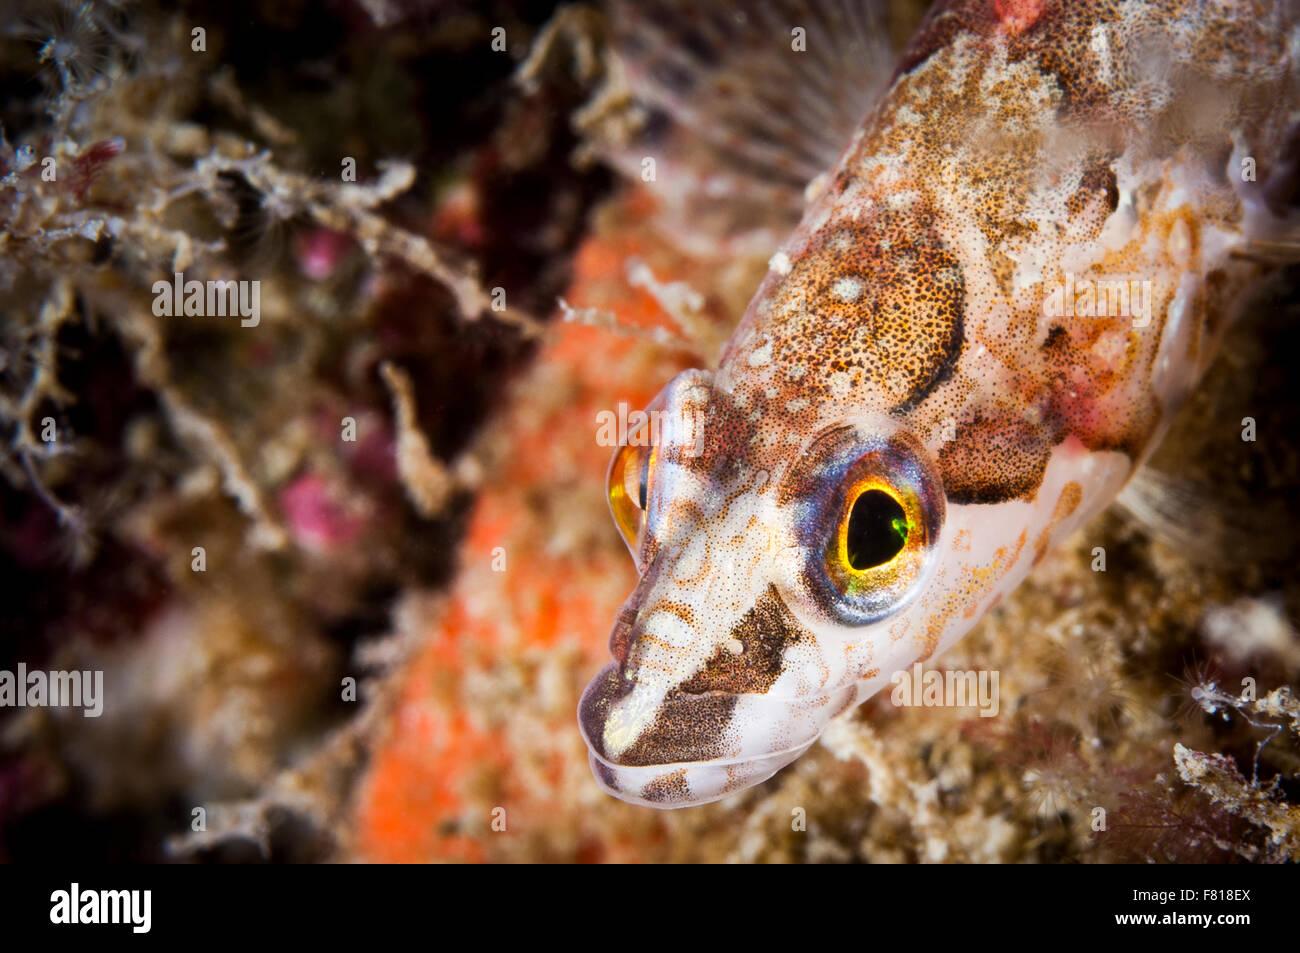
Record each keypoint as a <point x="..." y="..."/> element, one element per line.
<point x="614" y="782"/>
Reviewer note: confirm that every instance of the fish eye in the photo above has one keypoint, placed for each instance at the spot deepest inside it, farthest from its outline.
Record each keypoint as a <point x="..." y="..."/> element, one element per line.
<point x="871" y="513"/>
<point x="878" y="549"/>
<point x="628" y="489"/>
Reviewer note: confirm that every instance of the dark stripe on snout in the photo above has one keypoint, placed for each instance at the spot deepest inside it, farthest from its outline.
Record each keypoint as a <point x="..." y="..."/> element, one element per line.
<point x="686" y="728"/>
<point x="765" y="632"/>
<point x="693" y="722"/>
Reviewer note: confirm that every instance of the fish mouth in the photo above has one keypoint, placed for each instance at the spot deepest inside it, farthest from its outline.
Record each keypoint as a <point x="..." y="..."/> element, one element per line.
<point x="664" y="736"/>
<point x="697" y="747"/>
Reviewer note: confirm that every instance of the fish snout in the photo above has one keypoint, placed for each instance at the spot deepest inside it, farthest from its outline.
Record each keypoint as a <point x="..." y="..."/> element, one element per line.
<point x="684" y="716"/>
<point x="631" y="724"/>
<point x="673" y="748"/>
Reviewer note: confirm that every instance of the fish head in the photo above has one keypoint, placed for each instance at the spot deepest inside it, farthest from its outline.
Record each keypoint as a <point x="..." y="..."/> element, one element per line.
<point x="770" y="570"/>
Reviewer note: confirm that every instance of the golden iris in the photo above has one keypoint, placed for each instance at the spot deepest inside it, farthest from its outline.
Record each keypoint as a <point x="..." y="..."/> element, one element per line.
<point x="880" y="537"/>
<point x="628" y="486"/>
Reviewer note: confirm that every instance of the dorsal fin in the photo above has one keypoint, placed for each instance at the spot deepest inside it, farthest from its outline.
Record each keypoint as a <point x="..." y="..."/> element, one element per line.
<point x="745" y="112"/>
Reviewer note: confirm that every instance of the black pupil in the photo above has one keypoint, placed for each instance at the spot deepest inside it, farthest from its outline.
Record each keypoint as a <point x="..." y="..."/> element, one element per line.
<point x="877" y="530"/>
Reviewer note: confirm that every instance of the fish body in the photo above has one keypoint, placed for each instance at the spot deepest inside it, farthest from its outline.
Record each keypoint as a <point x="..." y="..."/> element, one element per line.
<point x="994" y="302"/>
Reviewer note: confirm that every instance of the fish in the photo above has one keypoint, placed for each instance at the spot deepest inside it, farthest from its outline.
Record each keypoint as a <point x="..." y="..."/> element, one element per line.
<point x="1009" y="273"/>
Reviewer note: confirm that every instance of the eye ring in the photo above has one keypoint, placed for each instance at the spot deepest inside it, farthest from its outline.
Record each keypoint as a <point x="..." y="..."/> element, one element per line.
<point x="871" y="511"/>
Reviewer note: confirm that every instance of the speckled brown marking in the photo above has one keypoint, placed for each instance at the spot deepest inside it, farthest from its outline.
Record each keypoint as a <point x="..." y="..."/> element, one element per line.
<point x="1098" y="180"/>
<point x="852" y="698"/>
<point x="800" y="482"/>
<point x="686" y="728"/>
<point x="738" y="541"/>
<point x="993" y="460"/>
<point x="682" y="513"/>
<point x="607" y="687"/>
<point x="671" y="787"/>
<point x="1078" y="395"/>
<point x="764" y="633"/>
<point x="682" y="611"/>
<point x="1066" y="504"/>
<point x="882" y="298"/>
<point x="737" y="780"/>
